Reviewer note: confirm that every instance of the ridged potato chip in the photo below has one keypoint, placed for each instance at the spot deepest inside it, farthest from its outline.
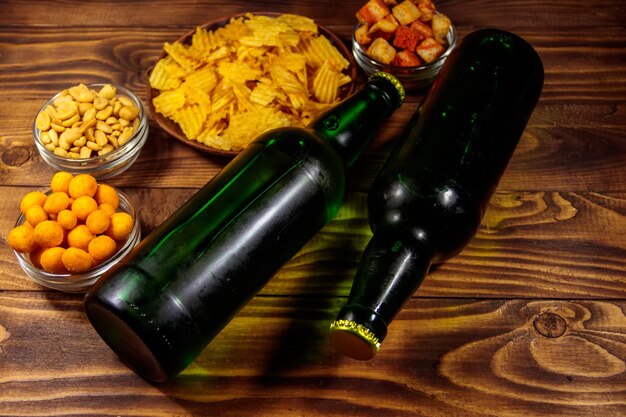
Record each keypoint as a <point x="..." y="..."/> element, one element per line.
<point x="256" y="73"/>
<point x="325" y="84"/>
<point x="169" y="102"/>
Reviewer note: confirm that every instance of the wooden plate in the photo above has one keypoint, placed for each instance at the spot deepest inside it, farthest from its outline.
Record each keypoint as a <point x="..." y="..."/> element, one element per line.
<point x="174" y="130"/>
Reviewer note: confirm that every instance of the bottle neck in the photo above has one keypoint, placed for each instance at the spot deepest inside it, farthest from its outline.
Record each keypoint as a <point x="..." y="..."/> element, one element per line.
<point x="350" y="125"/>
<point x="390" y="272"/>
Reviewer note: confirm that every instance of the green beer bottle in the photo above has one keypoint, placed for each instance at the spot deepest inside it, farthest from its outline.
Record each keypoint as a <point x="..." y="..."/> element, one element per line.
<point x="429" y="198"/>
<point x="164" y="302"/>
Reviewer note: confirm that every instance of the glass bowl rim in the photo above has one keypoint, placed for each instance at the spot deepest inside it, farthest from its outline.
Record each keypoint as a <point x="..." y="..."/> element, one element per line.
<point x="93" y="273"/>
<point x="396" y="69"/>
<point x="98" y="159"/>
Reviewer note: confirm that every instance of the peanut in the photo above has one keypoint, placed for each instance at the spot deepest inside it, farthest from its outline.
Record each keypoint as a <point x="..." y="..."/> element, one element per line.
<point x="60" y="152"/>
<point x="105" y="149"/>
<point x="81" y="121"/>
<point x="54" y="137"/>
<point x="80" y="142"/>
<point x="125" y="136"/>
<point x="129" y="112"/>
<point x="104" y="113"/>
<point x="83" y="107"/>
<point x="45" y="138"/>
<point x="93" y="146"/>
<point x="43" y="121"/>
<point x="100" y="125"/>
<point x="90" y="114"/>
<point x="66" y="109"/>
<point x="57" y="127"/>
<point x="85" y="152"/>
<point x="108" y="91"/>
<point x="101" y="137"/>
<point x="100" y="102"/>
<point x="69" y="122"/>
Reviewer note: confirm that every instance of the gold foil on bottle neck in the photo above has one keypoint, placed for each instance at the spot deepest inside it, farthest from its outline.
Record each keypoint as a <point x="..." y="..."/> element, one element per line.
<point x="393" y="80"/>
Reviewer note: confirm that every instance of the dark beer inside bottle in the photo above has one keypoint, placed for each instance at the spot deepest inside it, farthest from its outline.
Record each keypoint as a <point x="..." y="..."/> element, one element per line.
<point x="427" y="202"/>
<point x="167" y="304"/>
<point x="163" y="303"/>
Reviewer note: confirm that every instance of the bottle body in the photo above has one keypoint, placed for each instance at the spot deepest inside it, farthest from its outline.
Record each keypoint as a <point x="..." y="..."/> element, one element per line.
<point x="427" y="202"/>
<point x="185" y="281"/>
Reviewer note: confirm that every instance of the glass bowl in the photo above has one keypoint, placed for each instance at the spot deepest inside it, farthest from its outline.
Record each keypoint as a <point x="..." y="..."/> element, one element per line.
<point x="412" y="78"/>
<point x="80" y="282"/>
<point x="104" y="166"/>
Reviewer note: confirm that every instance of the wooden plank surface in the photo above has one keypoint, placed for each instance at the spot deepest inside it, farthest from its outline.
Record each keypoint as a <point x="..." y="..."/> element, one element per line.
<point x="529" y="320"/>
<point x="442" y="357"/>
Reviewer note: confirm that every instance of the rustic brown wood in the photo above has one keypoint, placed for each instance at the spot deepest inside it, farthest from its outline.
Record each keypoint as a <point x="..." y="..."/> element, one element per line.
<point x="529" y="320"/>
<point x="461" y="357"/>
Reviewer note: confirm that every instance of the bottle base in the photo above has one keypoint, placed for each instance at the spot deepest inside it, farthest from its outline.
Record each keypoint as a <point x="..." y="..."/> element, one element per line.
<point x="126" y="343"/>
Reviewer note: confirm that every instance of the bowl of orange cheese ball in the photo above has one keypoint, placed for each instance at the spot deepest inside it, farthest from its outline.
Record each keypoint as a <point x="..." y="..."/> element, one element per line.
<point x="67" y="237"/>
<point x="410" y="39"/>
<point x="96" y="129"/>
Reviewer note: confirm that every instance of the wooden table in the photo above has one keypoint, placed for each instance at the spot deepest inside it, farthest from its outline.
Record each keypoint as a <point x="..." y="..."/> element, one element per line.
<point x="529" y="320"/>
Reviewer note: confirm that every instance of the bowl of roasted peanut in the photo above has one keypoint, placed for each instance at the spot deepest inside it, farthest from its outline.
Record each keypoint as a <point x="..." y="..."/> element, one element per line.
<point x="96" y="129"/>
<point x="66" y="237"/>
<point x="409" y="39"/>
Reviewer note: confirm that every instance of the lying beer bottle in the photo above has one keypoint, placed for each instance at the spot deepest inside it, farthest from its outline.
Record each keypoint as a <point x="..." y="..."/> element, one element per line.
<point x="164" y="302"/>
<point x="430" y="196"/>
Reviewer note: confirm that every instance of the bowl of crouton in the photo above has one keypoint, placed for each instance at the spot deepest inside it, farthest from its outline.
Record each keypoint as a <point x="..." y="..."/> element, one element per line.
<point x="410" y="39"/>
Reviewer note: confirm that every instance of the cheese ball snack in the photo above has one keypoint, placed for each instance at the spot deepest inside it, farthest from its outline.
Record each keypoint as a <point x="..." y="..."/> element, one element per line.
<point x="35" y="215"/>
<point x="98" y="221"/>
<point x="49" y="233"/>
<point x="22" y="239"/>
<point x="83" y="206"/>
<point x="82" y="184"/>
<point x="33" y="198"/>
<point x="50" y="260"/>
<point x="107" y="194"/>
<point x="61" y="182"/>
<point x="76" y="260"/>
<point x="102" y="248"/>
<point x="120" y="227"/>
<point x="68" y="230"/>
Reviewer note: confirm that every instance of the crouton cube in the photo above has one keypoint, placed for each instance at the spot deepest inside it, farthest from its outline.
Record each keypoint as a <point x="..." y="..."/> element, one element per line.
<point x="406" y="59"/>
<point x="361" y="35"/>
<point x="429" y="50"/>
<point x="407" y="38"/>
<point x="423" y="29"/>
<point x="381" y="51"/>
<point x="406" y="12"/>
<point x="390" y="2"/>
<point x="441" y="25"/>
<point x="372" y="12"/>
<point x="384" y="28"/>
<point x="425" y="4"/>
<point x="427" y="10"/>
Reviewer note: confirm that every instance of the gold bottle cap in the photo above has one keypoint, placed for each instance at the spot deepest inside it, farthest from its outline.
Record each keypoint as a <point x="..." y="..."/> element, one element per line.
<point x="393" y="80"/>
<point x="354" y="340"/>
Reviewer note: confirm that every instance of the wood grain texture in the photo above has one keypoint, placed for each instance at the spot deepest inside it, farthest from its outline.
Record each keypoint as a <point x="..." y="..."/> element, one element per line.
<point x="529" y="320"/>
<point x="530" y="244"/>
<point x="442" y="357"/>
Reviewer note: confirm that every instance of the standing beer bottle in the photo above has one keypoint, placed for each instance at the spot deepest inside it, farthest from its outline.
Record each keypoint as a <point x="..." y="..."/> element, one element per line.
<point x="429" y="198"/>
<point x="165" y="301"/>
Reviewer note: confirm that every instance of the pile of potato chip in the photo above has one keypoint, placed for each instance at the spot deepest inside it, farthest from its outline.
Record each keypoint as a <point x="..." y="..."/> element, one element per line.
<point x="254" y="74"/>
